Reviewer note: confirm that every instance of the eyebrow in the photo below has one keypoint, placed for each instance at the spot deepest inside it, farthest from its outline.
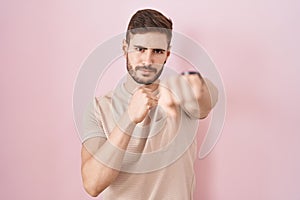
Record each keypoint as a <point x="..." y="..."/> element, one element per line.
<point x="141" y="47"/>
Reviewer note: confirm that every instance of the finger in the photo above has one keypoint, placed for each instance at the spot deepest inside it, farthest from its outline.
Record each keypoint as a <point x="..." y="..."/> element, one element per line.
<point x="148" y="107"/>
<point x="147" y="90"/>
<point x="197" y="83"/>
<point x="152" y="103"/>
<point x="143" y="90"/>
<point x="193" y="78"/>
<point x="185" y="84"/>
<point x="152" y="87"/>
<point x="152" y="97"/>
<point x="181" y="88"/>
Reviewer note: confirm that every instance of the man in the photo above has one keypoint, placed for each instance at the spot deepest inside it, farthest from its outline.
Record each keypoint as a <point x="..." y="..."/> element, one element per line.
<point x="130" y="146"/>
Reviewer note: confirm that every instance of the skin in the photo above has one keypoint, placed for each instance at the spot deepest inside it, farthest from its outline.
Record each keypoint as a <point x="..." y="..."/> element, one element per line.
<point x="145" y="54"/>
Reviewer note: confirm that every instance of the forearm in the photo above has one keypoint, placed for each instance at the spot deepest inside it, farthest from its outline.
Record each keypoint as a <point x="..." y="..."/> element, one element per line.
<point x="208" y="99"/>
<point x="102" y="166"/>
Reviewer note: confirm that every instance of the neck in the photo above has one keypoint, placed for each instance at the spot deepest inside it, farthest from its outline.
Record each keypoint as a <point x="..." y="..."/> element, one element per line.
<point x="131" y="85"/>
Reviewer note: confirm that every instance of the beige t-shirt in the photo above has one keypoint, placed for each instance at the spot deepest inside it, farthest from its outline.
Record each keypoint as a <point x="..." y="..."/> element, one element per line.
<point x="159" y="161"/>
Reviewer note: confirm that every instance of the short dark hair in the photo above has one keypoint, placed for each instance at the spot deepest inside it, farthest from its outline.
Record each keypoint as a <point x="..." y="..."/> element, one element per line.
<point x="149" y="20"/>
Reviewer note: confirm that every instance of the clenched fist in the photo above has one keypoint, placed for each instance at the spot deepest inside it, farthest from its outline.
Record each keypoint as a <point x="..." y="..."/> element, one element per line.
<point x="141" y="102"/>
<point x="191" y="92"/>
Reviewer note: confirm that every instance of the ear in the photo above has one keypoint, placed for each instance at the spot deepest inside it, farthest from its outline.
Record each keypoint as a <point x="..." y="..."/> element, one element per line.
<point x="168" y="51"/>
<point x="124" y="47"/>
<point x="168" y="54"/>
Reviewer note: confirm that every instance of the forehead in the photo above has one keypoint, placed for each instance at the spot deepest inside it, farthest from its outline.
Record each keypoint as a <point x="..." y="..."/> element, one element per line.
<point x="152" y="40"/>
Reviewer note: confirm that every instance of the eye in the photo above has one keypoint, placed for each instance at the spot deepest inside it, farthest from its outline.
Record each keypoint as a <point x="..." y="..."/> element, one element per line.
<point x="140" y="49"/>
<point x="158" y="51"/>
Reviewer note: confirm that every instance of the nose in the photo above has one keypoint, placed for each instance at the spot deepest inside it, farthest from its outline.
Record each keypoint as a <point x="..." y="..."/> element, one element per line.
<point x="148" y="57"/>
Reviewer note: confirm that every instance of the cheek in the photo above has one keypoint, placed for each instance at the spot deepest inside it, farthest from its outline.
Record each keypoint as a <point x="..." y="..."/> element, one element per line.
<point x="159" y="61"/>
<point x="132" y="58"/>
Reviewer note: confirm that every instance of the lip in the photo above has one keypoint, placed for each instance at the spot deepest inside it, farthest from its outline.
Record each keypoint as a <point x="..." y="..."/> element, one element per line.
<point x="146" y="70"/>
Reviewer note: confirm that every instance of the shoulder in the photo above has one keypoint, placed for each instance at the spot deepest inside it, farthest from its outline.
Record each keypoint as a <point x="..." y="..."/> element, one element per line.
<point x="104" y="99"/>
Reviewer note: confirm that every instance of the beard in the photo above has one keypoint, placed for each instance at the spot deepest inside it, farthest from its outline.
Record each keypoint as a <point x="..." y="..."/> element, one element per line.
<point x="133" y="73"/>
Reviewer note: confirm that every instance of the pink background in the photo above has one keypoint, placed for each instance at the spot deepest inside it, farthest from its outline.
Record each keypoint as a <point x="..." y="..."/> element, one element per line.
<point x="255" y="45"/>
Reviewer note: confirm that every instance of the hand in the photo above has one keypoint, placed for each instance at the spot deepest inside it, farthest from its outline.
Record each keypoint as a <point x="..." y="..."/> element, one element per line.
<point x="197" y="96"/>
<point x="186" y="91"/>
<point x="178" y="90"/>
<point x="141" y="102"/>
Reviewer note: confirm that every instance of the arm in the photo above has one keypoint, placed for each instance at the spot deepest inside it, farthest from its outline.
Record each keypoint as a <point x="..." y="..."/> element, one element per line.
<point x="95" y="175"/>
<point x="205" y="92"/>
<point x="197" y="96"/>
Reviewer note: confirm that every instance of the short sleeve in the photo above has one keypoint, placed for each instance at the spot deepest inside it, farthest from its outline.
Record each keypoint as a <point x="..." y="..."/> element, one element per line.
<point x="92" y="124"/>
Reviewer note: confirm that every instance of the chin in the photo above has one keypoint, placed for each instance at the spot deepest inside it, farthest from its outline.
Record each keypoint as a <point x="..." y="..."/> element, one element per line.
<point x="144" y="81"/>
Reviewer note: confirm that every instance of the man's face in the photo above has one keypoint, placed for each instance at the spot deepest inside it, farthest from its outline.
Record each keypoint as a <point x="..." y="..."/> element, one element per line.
<point x="146" y="55"/>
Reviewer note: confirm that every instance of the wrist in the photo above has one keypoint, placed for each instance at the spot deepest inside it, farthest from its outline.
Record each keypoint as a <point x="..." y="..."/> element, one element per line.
<point x="125" y="124"/>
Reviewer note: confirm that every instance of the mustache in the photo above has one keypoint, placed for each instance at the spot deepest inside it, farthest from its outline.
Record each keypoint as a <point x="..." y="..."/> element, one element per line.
<point x="146" y="67"/>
